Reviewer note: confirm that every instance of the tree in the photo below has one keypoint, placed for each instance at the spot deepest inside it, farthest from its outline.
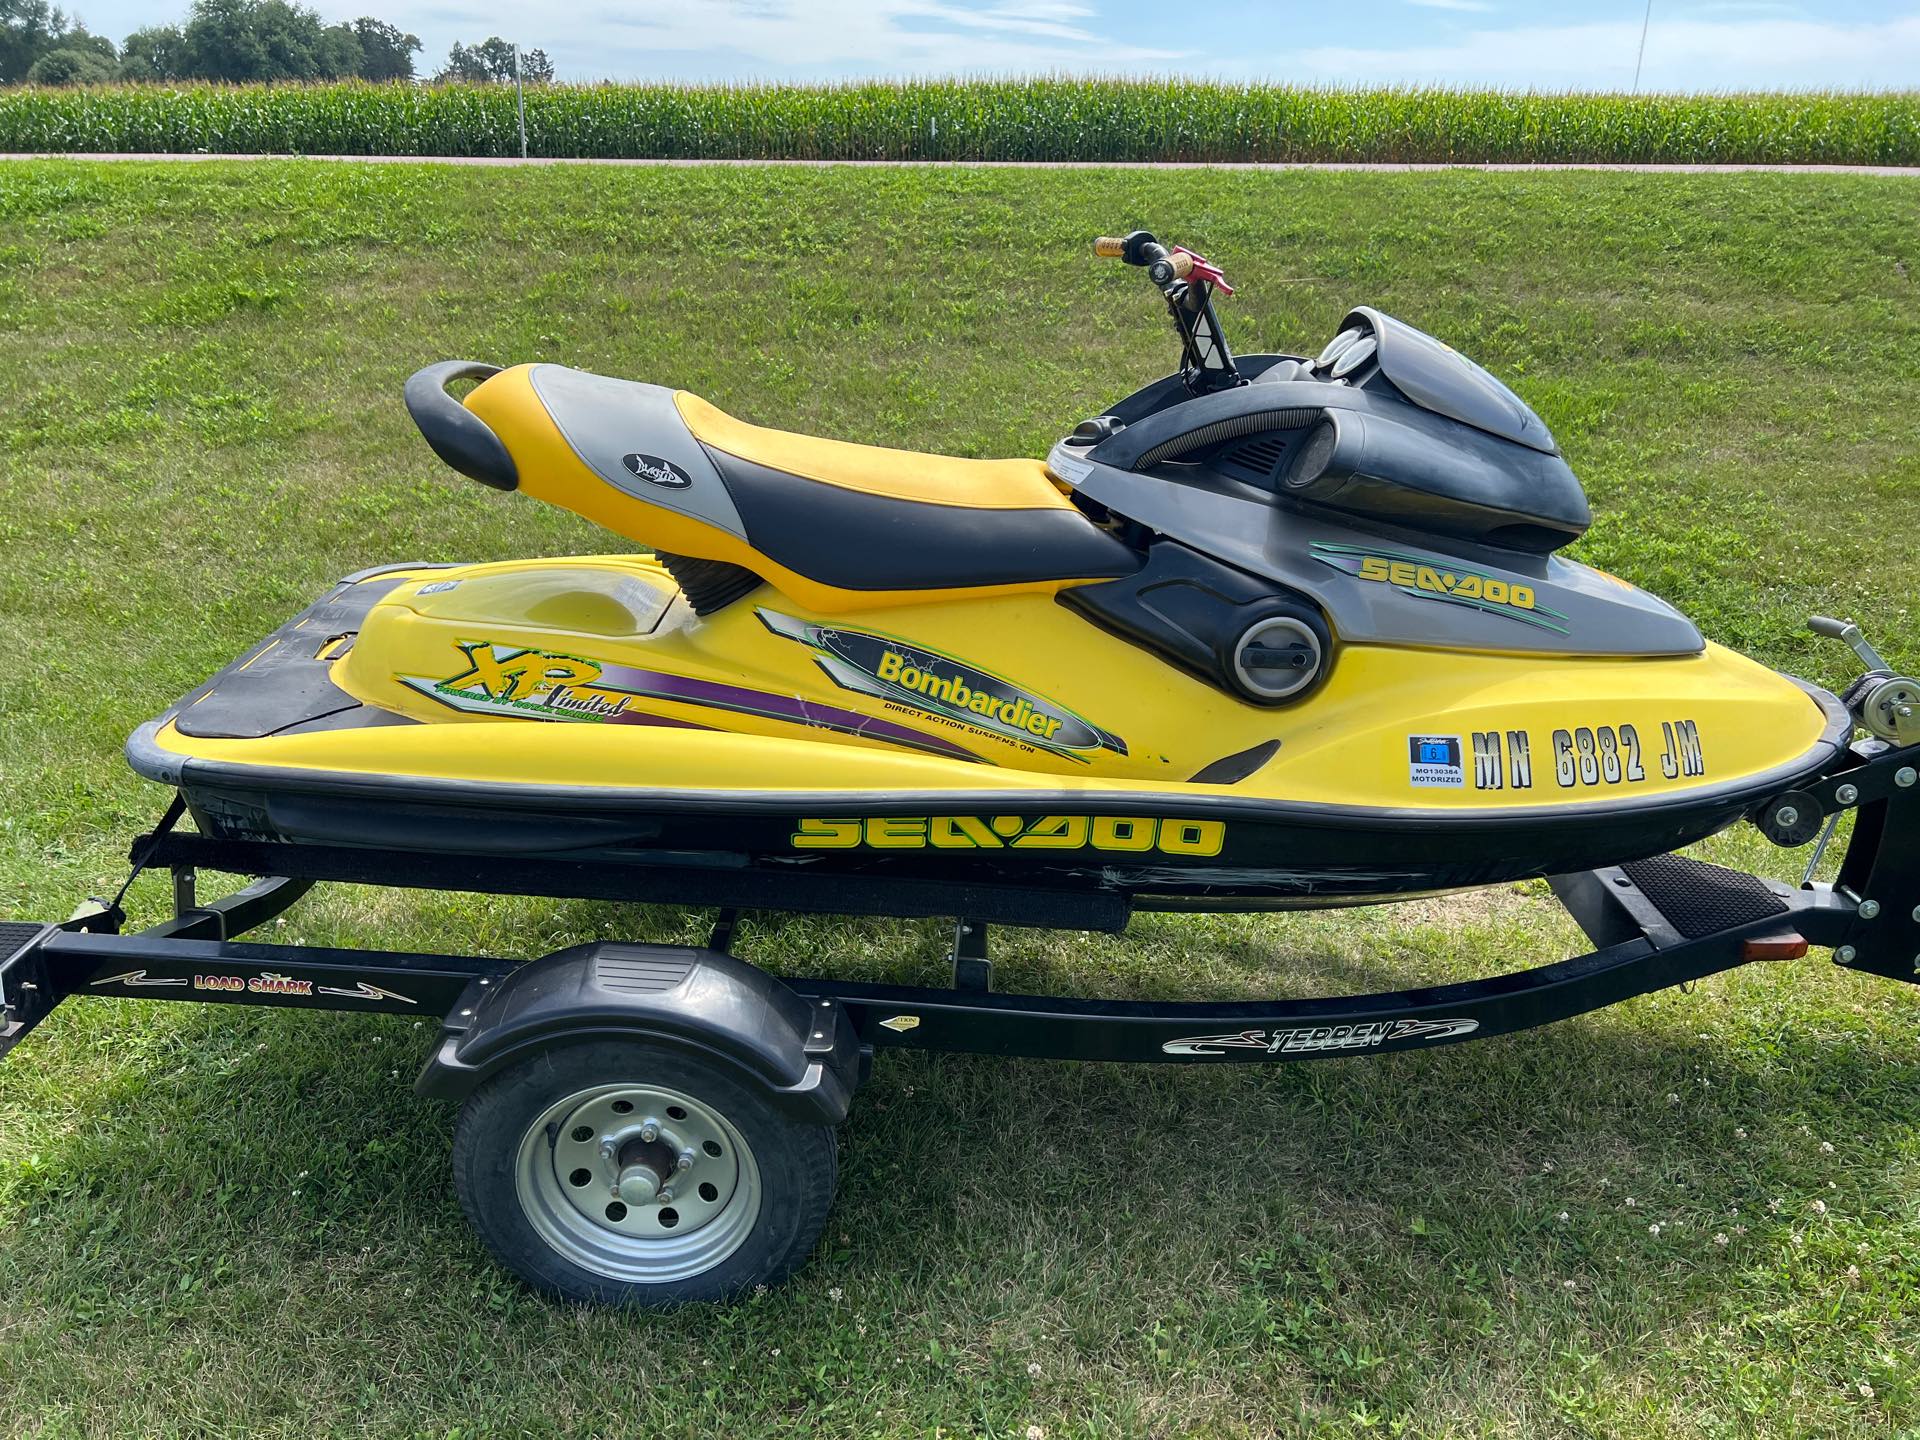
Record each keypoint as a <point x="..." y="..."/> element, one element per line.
<point x="28" y="29"/>
<point x="386" y="53"/>
<point x="33" y="29"/>
<point x="238" y="41"/>
<point x="464" y="66"/>
<point x="338" y="55"/>
<point x="159" y="52"/>
<point x="70" y="66"/>
<point x="221" y="43"/>
<point x="266" y="40"/>
<point x="491" y="62"/>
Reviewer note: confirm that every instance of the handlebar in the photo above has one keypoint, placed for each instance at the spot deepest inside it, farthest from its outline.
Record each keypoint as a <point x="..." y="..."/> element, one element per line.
<point x="1164" y="266"/>
<point x="1187" y="282"/>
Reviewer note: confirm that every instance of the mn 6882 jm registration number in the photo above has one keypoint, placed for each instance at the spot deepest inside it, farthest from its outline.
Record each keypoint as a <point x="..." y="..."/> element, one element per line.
<point x="1588" y="755"/>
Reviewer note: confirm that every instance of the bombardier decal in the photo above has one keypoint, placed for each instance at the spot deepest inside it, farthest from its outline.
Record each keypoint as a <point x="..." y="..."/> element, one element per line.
<point x="1426" y="577"/>
<point x="937" y="684"/>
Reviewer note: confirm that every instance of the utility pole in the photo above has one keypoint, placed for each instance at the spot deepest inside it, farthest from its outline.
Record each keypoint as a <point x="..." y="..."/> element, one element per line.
<point x="1645" y="20"/>
<point x="520" y="95"/>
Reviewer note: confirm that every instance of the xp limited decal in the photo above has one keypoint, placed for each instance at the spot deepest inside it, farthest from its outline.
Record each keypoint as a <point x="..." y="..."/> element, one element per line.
<point x="509" y="678"/>
<point x="526" y="684"/>
<point x="1322" y="1039"/>
<point x="1426" y="577"/>
<point x="934" y="684"/>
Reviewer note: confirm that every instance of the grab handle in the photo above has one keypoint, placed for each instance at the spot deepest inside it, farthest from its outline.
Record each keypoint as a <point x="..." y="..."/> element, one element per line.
<point x="457" y="435"/>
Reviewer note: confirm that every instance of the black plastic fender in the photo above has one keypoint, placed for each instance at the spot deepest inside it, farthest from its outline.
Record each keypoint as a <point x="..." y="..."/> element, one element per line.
<point x="804" y="1052"/>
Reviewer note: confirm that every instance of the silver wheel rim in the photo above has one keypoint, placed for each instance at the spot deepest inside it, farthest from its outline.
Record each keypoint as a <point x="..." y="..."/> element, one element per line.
<point x="574" y="1155"/>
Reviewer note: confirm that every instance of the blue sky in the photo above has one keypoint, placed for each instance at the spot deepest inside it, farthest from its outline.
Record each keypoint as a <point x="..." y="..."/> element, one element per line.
<point x="1547" y="44"/>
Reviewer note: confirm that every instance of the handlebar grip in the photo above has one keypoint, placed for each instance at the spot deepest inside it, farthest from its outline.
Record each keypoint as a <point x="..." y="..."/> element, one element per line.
<point x="1169" y="266"/>
<point x="1107" y="247"/>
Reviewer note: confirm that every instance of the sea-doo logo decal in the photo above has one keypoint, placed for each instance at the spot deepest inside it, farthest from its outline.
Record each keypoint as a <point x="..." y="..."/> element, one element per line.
<point x="935" y="684"/>
<point x="1126" y="834"/>
<point x="656" y="471"/>
<point x="1322" y="1039"/>
<point x="1426" y="577"/>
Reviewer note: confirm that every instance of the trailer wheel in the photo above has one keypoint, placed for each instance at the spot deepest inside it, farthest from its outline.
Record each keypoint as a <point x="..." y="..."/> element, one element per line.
<point x="621" y="1172"/>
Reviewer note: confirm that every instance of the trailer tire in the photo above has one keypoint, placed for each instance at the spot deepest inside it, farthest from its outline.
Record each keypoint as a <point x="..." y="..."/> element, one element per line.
<point x="541" y="1150"/>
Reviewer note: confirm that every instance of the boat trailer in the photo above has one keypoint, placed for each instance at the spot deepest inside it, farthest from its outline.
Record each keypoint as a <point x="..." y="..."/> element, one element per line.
<point x="803" y="1044"/>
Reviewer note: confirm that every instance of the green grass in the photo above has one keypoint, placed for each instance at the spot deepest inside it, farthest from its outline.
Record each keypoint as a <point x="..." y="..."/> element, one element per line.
<point x="240" y="1220"/>
<point x="1045" y="119"/>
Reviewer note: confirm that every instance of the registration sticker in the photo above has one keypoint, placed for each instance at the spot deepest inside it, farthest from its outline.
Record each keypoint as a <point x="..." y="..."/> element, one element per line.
<point x="1435" y="760"/>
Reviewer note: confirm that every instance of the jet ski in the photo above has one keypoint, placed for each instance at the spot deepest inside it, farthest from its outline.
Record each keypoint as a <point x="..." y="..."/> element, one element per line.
<point x="1276" y="630"/>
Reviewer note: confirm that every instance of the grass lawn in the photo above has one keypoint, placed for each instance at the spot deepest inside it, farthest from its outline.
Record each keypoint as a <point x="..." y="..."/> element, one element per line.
<point x="1689" y="1215"/>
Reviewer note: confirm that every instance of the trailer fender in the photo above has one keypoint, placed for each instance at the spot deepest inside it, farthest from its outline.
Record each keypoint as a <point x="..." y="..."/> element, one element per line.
<point x="804" y="1052"/>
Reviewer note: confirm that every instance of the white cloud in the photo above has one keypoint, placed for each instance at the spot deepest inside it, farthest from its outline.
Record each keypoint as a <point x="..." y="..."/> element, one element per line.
<point x="1682" y="54"/>
<point x="673" y="38"/>
<point x="1742" y="7"/>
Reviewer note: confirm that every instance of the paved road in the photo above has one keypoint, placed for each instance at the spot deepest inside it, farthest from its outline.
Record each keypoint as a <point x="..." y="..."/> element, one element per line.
<point x="1898" y="171"/>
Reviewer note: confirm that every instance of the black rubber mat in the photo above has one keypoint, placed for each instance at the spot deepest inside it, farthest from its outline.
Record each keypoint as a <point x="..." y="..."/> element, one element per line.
<point x="1699" y="899"/>
<point x="283" y="682"/>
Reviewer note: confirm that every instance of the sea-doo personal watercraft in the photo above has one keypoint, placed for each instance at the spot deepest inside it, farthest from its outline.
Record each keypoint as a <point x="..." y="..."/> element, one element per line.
<point x="1274" y="630"/>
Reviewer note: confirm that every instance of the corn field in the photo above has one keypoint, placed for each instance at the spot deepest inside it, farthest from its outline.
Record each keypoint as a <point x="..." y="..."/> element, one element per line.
<point x="1047" y="120"/>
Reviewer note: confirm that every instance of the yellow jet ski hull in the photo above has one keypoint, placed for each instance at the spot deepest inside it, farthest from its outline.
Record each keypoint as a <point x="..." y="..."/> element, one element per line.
<point x="580" y="707"/>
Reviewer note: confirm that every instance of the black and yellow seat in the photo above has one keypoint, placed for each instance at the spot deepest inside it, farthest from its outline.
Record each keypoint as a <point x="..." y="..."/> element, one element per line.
<point x="835" y="525"/>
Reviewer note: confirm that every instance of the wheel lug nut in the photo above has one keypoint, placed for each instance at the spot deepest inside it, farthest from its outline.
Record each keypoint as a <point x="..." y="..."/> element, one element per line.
<point x="685" y="1162"/>
<point x="649" y="1132"/>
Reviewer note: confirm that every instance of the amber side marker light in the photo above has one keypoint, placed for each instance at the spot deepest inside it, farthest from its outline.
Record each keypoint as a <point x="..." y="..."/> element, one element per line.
<point x="1784" y="946"/>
